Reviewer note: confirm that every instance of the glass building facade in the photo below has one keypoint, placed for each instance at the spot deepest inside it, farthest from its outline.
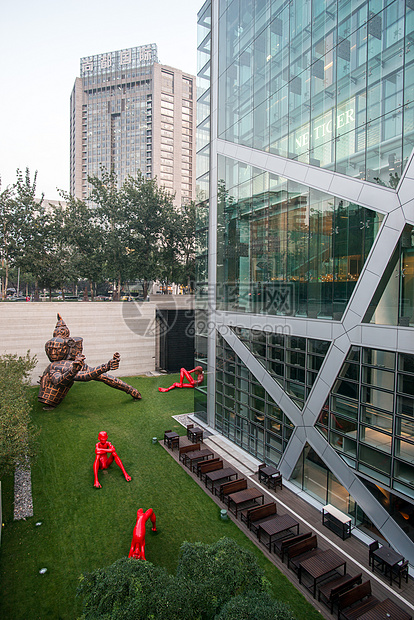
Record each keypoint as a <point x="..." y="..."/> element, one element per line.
<point x="305" y="254"/>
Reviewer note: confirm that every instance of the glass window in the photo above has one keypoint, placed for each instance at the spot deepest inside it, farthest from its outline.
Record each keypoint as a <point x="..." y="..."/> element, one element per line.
<point x="346" y="388"/>
<point x="383" y="400"/>
<point x="379" y="378"/>
<point x="377" y="418"/>
<point x="404" y="450"/>
<point x="381" y="359"/>
<point x="375" y="459"/>
<point x="405" y="406"/>
<point x="406" y="362"/>
<point x="375" y="438"/>
<point x="406" y="384"/>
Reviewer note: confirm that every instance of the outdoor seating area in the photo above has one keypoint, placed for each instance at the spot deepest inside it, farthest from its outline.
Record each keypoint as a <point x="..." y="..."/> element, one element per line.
<point x="389" y="562"/>
<point x="270" y="476"/>
<point x="322" y="571"/>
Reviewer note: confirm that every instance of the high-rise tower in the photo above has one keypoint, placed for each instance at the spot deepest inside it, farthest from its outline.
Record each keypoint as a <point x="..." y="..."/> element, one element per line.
<point x="130" y="113"/>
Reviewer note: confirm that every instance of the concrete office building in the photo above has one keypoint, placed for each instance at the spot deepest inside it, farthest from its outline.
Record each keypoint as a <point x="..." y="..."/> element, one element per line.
<point x="305" y="173"/>
<point x="130" y="113"/>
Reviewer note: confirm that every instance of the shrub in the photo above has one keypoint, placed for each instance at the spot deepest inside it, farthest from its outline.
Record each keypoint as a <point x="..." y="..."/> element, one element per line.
<point x="251" y="606"/>
<point x="221" y="578"/>
<point x="17" y="435"/>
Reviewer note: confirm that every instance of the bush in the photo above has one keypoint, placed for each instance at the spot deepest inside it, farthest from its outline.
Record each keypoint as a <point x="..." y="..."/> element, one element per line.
<point x="252" y="606"/>
<point x="219" y="578"/>
<point x="127" y="590"/>
<point x="17" y="435"/>
<point x="221" y="570"/>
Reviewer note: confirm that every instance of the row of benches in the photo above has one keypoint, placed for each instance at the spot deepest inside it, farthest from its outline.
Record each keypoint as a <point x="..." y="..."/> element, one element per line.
<point x="348" y="594"/>
<point x="351" y="597"/>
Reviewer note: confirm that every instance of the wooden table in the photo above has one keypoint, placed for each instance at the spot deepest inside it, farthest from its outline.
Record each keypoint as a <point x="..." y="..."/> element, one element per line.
<point x="197" y="455"/>
<point x="267" y="472"/>
<point x="320" y="565"/>
<point x="169" y="436"/>
<point x="384" y="610"/>
<point x="195" y="434"/>
<point x="219" y="474"/>
<point x="242" y="497"/>
<point x="388" y="557"/>
<point x="275" y="526"/>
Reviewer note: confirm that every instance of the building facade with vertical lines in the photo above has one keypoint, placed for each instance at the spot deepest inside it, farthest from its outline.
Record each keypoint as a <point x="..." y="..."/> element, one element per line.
<point x="129" y="113"/>
<point x="305" y="253"/>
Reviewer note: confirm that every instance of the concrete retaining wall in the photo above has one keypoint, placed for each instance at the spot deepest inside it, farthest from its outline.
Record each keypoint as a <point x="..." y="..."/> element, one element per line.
<point x="105" y="327"/>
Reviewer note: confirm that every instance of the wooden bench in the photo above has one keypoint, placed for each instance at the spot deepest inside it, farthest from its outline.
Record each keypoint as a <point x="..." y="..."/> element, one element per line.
<point x="245" y="514"/>
<point x="260" y="514"/>
<point x="301" y="551"/>
<point x="356" y="602"/>
<point x="281" y="546"/>
<point x="190" y="448"/>
<point x="230" y="487"/>
<point x="330" y="591"/>
<point x="205" y="466"/>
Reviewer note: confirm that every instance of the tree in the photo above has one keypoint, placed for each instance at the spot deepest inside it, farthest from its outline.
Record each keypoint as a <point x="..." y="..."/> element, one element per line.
<point x="6" y="236"/>
<point x="82" y="232"/>
<point x="111" y="214"/>
<point x="150" y="215"/>
<point x="18" y="206"/>
<point x="225" y="570"/>
<point x="208" y="578"/>
<point x="17" y="435"/>
<point x="178" y="253"/>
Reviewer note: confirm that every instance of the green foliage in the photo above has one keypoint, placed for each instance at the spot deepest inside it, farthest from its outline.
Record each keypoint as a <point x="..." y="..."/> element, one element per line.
<point x="254" y="606"/>
<point x="224" y="568"/>
<point x="84" y="528"/>
<point x="16" y="432"/>
<point x="208" y="578"/>
<point x="127" y="232"/>
<point x="128" y="589"/>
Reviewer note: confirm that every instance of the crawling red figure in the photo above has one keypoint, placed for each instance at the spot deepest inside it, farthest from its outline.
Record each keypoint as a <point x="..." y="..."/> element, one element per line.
<point x="137" y="550"/>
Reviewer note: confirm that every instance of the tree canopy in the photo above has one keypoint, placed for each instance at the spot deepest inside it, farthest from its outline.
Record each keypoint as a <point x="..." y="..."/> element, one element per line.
<point x="123" y="233"/>
<point x="213" y="581"/>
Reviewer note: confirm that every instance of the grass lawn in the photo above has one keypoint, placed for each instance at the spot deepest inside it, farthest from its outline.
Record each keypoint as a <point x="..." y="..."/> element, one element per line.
<point x="84" y="528"/>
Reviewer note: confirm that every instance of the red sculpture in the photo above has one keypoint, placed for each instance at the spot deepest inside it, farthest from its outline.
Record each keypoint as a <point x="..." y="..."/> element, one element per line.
<point x="68" y="365"/>
<point x="137" y="550"/>
<point x="102" y="461"/>
<point x="191" y="382"/>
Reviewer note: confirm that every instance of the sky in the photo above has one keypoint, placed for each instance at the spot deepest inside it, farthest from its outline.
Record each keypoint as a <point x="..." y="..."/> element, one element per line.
<point x="41" y="43"/>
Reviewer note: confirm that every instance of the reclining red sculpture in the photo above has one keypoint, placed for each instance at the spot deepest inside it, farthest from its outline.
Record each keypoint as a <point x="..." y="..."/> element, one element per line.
<point x="103" y="461"/>
<point x="187" y="375"/>
<point x="137" y="550"/>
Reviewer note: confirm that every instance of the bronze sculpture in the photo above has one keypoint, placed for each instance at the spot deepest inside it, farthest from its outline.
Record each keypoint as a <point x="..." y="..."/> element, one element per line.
<point x="68" y="365"/>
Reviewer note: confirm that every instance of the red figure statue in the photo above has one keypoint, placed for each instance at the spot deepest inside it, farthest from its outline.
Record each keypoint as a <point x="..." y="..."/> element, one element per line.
<point x="68" y="365"/>
<point x="105" y="455"/>
<point x="137" y="550"/>
<point x="187" y="375"/>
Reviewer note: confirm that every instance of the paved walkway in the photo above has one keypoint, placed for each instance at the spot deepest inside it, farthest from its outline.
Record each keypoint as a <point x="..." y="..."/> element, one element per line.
<point x="289" y="500"/>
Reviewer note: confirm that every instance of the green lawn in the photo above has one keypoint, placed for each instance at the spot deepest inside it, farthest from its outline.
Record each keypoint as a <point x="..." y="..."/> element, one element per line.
<point x="84" y="528"/>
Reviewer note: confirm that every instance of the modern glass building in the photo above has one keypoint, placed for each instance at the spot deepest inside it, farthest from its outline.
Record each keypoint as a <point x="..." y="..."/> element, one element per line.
<point x="305" y="187"/>
<point x="129" y="113"/>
